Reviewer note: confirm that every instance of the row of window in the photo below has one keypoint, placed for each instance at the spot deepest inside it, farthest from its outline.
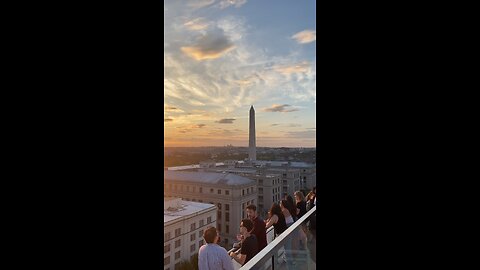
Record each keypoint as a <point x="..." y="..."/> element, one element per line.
<point x="193" y="227"/>
<point x="188" y="188"/>
<point x="177" y="254"/>
<point x="249" y="190"/>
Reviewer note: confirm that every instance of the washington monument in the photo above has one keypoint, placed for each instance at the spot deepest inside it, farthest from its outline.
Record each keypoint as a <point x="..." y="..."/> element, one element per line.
<point x="252" y="147"/>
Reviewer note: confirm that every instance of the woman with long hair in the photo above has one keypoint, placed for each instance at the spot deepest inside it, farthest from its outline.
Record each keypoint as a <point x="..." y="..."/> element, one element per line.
<point x="287" y="212"/>
<point x="300" y="204"/>
<point x="276" y="219"/>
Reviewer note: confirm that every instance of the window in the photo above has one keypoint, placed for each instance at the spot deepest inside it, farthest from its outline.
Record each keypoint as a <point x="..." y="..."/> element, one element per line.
<point x="178" y="243"/>
<point x="219" y="227"/>
<point x="243" y="192"/>
<point x="166" y="249"/>
<point x="200" y="200"/>
<point x="167" y="236"/>
<point x="178" y="232"/>
<point x="248" y="191"/>
<point x="219" y="215"/>
<point x="177" y="255"/>
<point x="201" y="223"/>
<point x="219" y="205"/>
<point x="227" y="217"/>
<point x="192" y="237"/>
<point x="273" y="198"/>
<point x="227" y="207"/>
<point x="193" y="226"/>
<point x="209" y="220"/>
<point x="201" y="190"/>
<point x="219" y="191"/>
<point x="226" y="228"/>
<point x="166" y="261"/>
<point x="260" y="190"/>
<point x="200" y="243"/>
<point x="227" y="192"/>
<point x="192" y="248"/>
<point x="211" y="190"/>
<point x="260" y="198"/>
<point x="200" y="234"/>
<point x="260" y="182"/>
<point x="274" y="190"/>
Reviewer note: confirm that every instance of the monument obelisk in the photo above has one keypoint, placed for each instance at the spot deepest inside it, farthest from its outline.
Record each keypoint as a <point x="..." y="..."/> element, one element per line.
<point x="252" y="151"/>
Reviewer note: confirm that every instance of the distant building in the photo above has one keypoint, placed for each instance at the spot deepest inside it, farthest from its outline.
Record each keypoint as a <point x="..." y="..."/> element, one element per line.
<point x="184" y="223"/>
<point x="229" y="192"/>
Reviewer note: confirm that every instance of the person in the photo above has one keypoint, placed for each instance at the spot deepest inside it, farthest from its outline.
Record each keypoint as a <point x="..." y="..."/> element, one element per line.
<point x="287" y="213"/>
<point x="249" y="244"/>
<point x="300" y="203"/>
<point x="259" y="229"/>
<point x="211" y="256"/>
<point x="276" y="219"/>
<point x="291" y="207"/>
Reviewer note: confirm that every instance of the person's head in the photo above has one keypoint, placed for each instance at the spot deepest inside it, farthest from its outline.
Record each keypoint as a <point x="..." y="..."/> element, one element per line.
<point x="210" y="235"/>
<point x="299" y="196"/>
<point x="284" y="204"/>
<point x="310" y="195"/>
<point x="275" y="210"/>
<point x="290" y="201"/>
<point x="246" y="226"/>
<point x="251" y="211"/>
<point x="314" y="190"/>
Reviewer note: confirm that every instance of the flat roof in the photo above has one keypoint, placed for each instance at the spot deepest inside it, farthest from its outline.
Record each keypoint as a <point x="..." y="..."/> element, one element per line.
<point x="187" y="209"/>
<point x="208" y="178"/>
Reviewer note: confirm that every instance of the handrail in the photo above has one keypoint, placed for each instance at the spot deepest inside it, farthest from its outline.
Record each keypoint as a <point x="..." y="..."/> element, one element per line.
<point x="265" y="253"/>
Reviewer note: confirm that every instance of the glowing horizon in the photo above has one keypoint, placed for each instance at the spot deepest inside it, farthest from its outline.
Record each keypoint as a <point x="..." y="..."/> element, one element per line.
<point x="223" y="56"/>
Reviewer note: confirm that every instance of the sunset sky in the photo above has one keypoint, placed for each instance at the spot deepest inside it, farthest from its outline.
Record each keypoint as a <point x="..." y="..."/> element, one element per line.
<point x="222" y="56"/>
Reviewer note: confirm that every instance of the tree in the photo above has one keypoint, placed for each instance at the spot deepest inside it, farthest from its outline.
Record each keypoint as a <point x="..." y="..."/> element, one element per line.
<point x="194" y="261"/>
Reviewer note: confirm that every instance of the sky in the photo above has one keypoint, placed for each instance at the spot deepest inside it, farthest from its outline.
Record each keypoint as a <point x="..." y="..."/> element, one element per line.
<point x="223" y="56"/>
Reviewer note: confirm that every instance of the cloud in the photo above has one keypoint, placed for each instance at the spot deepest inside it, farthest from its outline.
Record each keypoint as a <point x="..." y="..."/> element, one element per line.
<point x="197" y="24"/>
<point x="196" y="4"/>
<point x="210" y="46"/>
<point x="167" y="120"/>
<point x="305" y="36"/>
<point x="237" y="3"/>
<point x="226" y="121"/>
<point x="302" y="67"/>
<point x="279" y="108"/>
<point x="274" y="125"/>
<point x="302" y="134"/>
<point x="294" y="125"/>
<point x="198" y="126"/>
<point x="170" y="108"/>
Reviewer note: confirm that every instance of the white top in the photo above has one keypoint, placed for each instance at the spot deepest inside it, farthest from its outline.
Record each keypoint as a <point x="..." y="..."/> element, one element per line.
<point x="289" y="220"/>
<point x="214" y="257"/>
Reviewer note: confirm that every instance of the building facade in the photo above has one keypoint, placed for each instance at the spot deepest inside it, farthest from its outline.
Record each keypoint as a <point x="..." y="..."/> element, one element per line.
<point x="230" y="193"/>
<point x="184" y="223"/>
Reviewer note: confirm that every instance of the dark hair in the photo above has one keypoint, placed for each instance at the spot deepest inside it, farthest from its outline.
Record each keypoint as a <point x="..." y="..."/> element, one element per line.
<point x="290" y="207"/>
<point x="210" y="235"/>
<point x="276" y="210"/>
<point x="252" y="207"/>
<point x="247" y="223"/>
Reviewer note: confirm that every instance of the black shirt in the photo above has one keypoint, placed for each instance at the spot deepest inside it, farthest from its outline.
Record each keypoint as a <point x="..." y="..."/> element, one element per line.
<point x="249" y="247"/>
<point x="280" y="226"/>
<point x="302" y="205"/>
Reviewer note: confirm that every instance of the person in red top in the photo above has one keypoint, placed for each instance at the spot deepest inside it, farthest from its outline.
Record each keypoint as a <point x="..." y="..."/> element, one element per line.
<point x="259" y="229"/>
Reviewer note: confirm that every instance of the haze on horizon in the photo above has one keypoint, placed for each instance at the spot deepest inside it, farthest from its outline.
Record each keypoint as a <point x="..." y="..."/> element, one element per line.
<point x="222" y="56"/>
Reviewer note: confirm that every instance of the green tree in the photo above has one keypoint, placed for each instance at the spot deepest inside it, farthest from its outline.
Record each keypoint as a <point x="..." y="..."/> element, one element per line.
<point x="194" y="261"/>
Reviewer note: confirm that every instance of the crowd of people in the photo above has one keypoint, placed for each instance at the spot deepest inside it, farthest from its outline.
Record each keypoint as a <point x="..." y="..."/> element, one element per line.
<point x="253" y="233"/>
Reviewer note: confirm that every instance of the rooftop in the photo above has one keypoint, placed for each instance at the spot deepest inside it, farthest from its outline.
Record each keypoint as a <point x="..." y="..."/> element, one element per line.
<point x="207" y="178"/>
<point x="184" y="210"/>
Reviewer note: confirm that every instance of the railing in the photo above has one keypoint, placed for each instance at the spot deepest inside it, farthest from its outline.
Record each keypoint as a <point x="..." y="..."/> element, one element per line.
<point x="295" y="248"/>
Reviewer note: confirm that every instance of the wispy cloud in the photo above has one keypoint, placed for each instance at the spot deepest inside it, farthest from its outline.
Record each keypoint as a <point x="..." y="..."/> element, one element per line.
<point x="197" y="24"/>
<point x="301" y="67"/>
<point x="305" y="36"/>
<point x="226" y="3"/>
<point x="225" y="121"/>
<point x="301" y="134"/>
<point x="167" y="120"/>
<point x="279" y="108"/>
<point x="196" y="4"/>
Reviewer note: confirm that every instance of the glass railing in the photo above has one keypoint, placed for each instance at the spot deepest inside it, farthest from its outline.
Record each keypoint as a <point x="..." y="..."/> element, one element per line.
<point x="295" y="248"/>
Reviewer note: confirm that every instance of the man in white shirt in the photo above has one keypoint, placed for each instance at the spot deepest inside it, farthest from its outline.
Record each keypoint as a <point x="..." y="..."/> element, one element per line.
<point x="212" y="256"/>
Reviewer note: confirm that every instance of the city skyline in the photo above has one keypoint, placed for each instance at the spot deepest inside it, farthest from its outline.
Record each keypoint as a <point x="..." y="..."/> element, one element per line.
<point x="222" y="57"/>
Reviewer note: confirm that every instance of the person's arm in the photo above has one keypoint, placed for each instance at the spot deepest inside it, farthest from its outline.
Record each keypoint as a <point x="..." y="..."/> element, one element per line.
<point x="240" y="258"/>
<point x="271" y="221"/>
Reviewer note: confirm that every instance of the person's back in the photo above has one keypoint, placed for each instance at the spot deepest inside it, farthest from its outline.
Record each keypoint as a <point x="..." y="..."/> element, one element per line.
<point x="260" y="233"/>
<point x="212" y="256"/>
